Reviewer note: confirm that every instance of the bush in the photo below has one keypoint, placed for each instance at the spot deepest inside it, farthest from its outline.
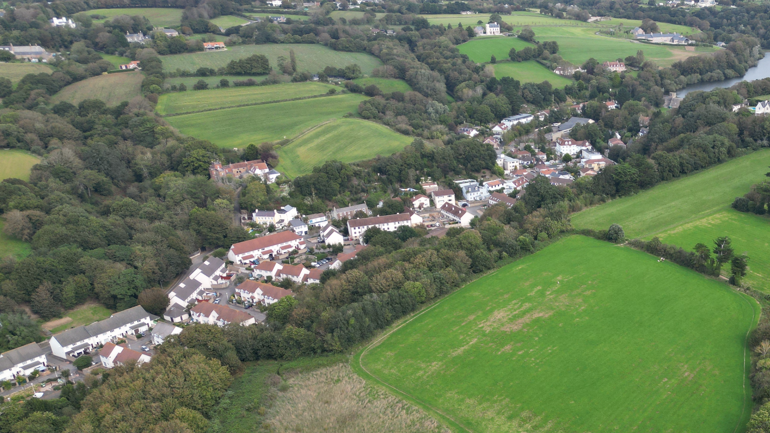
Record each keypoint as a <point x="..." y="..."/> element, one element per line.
<point x="201" y="85"/>
<point x="84" y="361"/>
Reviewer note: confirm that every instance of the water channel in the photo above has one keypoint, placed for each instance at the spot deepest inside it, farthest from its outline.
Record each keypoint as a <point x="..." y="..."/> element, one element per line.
<point x="762" y="70"/>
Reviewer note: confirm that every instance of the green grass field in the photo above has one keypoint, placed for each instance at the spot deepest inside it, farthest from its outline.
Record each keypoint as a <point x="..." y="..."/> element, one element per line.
<point x="16" y="164"/>
<point x="530" y="72"/>
<point x="625" y="344"/>
<point x="159" y="17"/>
<point x="16" y="71"/>
<point x="82" y="315"/>
<point x="115" y="60"/>
<point x="205" y="37"/>
<point x="11" y="246"/>
<point x="696" y="209"/>
<point x="212" y="81"/>
<point x="515" y="19"/>
<point x="227" y="21"/>
<point x="480" y="50"/>
<point x="345" y="140"/>
<point x="311" y="58"/>
<point x="387" y="85"/>
<point x="111" y="88"/>
<point x="238" y="127"/>
<point x="278" y="13"/>
<point x="190" y="101"/>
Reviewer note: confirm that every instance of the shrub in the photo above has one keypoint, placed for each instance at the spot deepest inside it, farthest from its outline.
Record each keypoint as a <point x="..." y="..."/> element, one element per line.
<point x="84" y="361"/>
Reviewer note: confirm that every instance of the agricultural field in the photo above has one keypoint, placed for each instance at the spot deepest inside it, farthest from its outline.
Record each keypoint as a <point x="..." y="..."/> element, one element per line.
<point x="515" y="19"/>
<point x="310" y="58"/>
<point x="227" y="21"/>
<point x="213" y="99"/>
<point x="115" y="60"/>
<point x="212" y="81"/>
<point x="696" y="209"/>
<point x="238" y="127"/>
<point x="16" y="71"/>
<point x="519" y="351"/>
<point x="81" y="315"/>
<point x="345" y="140"/>
<point x="349" y="15"/>
<point x="110" y="88"/>
<point x="480" y="50"/>
<point x="159" y="17"/>
<point x="387" y="85"/>
<point x="277" y="13"/>
<point x="16" y="164"/>
<point x="208" y="37"/>
<point x="529" y="72"/>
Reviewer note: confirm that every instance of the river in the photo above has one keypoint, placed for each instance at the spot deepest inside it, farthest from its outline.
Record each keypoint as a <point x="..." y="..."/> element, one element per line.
<point x="762" y="70"/>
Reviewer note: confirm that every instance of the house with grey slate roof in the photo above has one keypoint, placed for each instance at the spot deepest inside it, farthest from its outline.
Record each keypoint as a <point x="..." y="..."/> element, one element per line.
<point x="21" y="361"/>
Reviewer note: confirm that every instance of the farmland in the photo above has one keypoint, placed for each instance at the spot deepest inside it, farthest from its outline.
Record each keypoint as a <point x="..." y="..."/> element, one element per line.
<point x="480" y="50"/>
<point x="237" y="127"/>
<point x="16" y="71"/>
<point x="211" y="81"/>
<point x="529" y="72"/>
<point x="696" y="209"/>
<point x="387" y="85"/>
<point x="311" y="58"/>
<point x="185" y="102"/>
<point x="16" y="164"/>
<point x="111" y="88"/>
<point x="115" y="60"/>
<point x="515" y="19"/>
<point x="227" y="21"/>
<point x="518" y="350"/>
<point x="159" y="17"/>
<point x="345" y="140"/>
<point x="348" y="15"/>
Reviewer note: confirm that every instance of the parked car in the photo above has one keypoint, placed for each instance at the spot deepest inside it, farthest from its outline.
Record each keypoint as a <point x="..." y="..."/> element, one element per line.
<point x="216" y="301"/>
<point x="145" y="349"/>
<point x="37" y="395"/>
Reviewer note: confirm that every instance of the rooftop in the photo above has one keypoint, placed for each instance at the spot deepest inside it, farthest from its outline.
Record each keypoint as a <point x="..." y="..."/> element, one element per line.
<point x="264" y="242"/>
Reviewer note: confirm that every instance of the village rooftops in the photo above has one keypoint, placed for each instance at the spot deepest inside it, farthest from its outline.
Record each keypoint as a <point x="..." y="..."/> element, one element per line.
<point x="443" y="193"/>
<point x="361" y="222"/>
<point x="113" y="322"/>
<point x="265" y="242"/>
<point x="19" y="356"/>
<point x="572" y="122"/>
<point x="454" y="210"/>
<point x="344" y="257"/>
<point x="224" y="313"/>
<point x="268" y="290"/>
<point x="499" y="197"/>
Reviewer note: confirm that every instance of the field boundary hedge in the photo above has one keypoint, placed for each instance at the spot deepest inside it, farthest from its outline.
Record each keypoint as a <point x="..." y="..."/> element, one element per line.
<point x="247" y="105"/>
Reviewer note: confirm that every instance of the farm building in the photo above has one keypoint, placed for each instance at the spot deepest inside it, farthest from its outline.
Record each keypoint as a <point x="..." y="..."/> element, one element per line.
<point x="240" y="170"/>
<point x="32" y="53"/>
<point x="662" y="38"/>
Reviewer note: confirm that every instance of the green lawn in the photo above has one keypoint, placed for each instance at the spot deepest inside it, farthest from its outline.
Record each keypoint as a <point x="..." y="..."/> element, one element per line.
<point x="205" y="37"/>
<point x="159" y="17"/>
<point x="11" y="246"/>
<point x="115" y="60"/>
<point x="480" y="50"/>
<point x="625" y="344"/>
<point x="212" y="81"/>
<point x="227" y="21"/>
<point x="82" y="315"/>
<point x="16" y="71"/>
<point x="196" y="100"/>
<point x="696" y="209"/>
<point x="16" y="164"/>
<point x="387" y="85"/>
<point x="111" y="88"/>
<point x="345" y="140"/>
<point x="311" y="58"/>
<point x="238" y="127"/>
<point x="515" y="19"/>
<point x="530" y="72"/>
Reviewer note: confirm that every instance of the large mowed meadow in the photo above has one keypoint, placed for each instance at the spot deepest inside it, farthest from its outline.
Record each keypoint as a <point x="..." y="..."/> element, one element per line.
<point x="582" y="336"/>
<point x="696" y="209"/>
<point x="16" y="71"/>
<point x="110" y="88"/>
<point x="310" y="58"/>
<point x="159" y="17"/>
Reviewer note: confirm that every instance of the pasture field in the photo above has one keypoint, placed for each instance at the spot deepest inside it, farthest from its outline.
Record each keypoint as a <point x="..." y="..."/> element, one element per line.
<point x="516" y="19"/>
<point x="212" y="99"/>
<point x="480" y="50"/>
<point x="159" y="17"/>
<point x="110" y="88"/>
<point x="11" y="246"/>
<point x="696" y="209"/>
<point x="310" y="58"/>
<point x="387" y="85"/>
<point x="212" y="81"/>
<point x="16" y="71"/>
<point x="81" y="315"/>
<point x="16" y="164"/>
<point x="115" y="60"/>
<point x="207" y="37"/>
<point x="529" y="72"/>
<point x="227" y="21"/>
<point x="348" y="15"/>
<point x="345" y="140"/>
<point x="238" y="127"/>
<point x="625" y="344"/>
<point x="279" y="12"/>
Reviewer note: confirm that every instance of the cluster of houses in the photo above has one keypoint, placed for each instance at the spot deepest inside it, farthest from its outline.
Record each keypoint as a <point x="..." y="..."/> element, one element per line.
<point x="198" y="286"/>
<point x="692" y="3"/>
<point x="241" y="170"/>
<point x="660" y="38"/>
<point x="567" y="71"/>
<point x="62" y="22"/>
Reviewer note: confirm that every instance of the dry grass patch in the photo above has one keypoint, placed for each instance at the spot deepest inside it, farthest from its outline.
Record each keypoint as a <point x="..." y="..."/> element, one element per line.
<point x="334" y="399"/>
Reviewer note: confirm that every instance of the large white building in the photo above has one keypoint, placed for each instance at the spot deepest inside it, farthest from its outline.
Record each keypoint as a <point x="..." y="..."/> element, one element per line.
<point x="442" y="196"/>
<point x="475" y="192"/>
<point x="517" y="119"/>
<point x="572" y="147"/>
<point x="266" y="247"/>
<point x="278" y="218"/>
<point x="762" y="108"/>
<point x="63" y="22"/>
<point x="390" y="223"/>
<point x="492" y="29"/>
<point x="80" y="340"/>
<point x="331" y="236"/>
<point x="21" y="361"/>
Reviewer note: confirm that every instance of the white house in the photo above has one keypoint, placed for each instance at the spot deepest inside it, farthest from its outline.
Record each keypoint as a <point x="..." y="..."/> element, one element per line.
<point x="163" y="330"/>
<point x="266" y="269"/>
<point x="76" y="341"/>
<point x="350" y="211"/>
<point x="494" y="185"/>
<point x="266" y="247"/>
<point x="278" y="218"/>
<point x="220" y="315"/>
<point x="517" y="119"/>
<point x="331" y="236"/>
<point x="571" y="147"/>
<point x="475" y="192"/>
<point x="296" y="273"/>
<point x="209" y="274"/>
<point x="357" y="227"/>
<point x="615" y="66"/>
<point x="63" y="22"/>
<point x="261" y="292"/>
<point x="442" y="196"/>
<point x="429" y="187"/>
<point x="112" y="355"/>
<point x="136" y="38"/>
<point x="274" y="3"/>
<point x="420" y="202"/>
<point x="317" y="220"/>
<point x="21" y="361"/>
<point x="762" y="108"/>
<point x="457" y="214"/>
<point x="298" y="226"/>
<point x="492" y="29"/>
<point x="470" y="132"/>
<point x="415" y="217"/>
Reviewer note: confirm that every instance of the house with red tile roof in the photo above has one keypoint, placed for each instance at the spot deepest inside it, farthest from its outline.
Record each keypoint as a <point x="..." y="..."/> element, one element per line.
<point x="263" y="293"/>
<point x="344" y="257"/>
<point x="112" y="355"/>
<point x="238" y="170"/>
<point x="266" y="247"/>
